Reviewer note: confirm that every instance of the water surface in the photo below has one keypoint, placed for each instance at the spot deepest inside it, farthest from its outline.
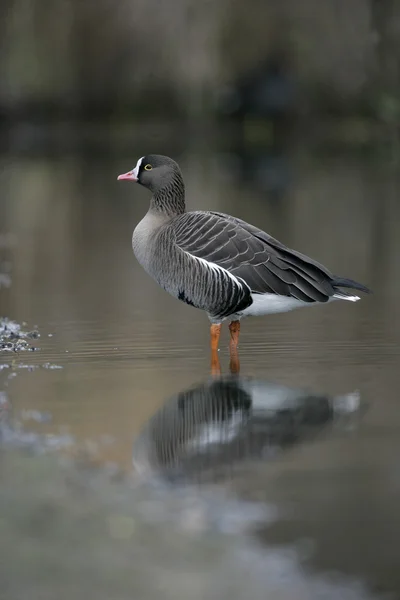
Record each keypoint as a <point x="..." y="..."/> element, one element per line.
<point x="126" y="347"/>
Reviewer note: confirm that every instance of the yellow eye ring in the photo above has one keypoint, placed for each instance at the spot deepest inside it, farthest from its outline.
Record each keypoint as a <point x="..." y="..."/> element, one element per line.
<point x="148" y="167"/>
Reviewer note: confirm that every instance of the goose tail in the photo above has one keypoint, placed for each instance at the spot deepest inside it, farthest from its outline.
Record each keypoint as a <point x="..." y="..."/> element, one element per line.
<point x="341" y="282"/>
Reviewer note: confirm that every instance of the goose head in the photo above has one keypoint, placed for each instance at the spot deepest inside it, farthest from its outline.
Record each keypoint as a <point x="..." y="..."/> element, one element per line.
<point x="154" y="172"/>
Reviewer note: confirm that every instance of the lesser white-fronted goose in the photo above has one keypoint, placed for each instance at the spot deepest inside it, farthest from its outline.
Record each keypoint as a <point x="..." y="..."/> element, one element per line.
<point x="219" y="263"/>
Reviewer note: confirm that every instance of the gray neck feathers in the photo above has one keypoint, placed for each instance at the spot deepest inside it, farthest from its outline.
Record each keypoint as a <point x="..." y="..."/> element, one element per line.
<point x="169" y="199"/>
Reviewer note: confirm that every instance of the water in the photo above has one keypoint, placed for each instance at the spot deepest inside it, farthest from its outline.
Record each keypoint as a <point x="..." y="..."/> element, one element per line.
<point x="115" y="348"/>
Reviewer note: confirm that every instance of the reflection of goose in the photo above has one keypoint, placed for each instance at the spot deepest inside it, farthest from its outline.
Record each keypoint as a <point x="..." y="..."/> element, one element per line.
<point x="204" y="430"/>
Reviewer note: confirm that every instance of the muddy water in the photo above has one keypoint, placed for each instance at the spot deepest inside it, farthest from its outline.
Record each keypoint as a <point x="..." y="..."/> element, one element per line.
<point x="126" y="349"/>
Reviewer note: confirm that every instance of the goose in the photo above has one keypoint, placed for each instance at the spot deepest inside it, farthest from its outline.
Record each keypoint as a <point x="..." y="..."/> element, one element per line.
<point x="219" y="263"/>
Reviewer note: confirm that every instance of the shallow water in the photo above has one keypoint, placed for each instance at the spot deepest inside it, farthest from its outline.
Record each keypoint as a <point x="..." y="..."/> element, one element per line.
<point x="125" y="349"/>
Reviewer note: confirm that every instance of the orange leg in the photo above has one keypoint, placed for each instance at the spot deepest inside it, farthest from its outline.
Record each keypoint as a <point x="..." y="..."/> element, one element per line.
<point x="215" y="332"/>
<point x="234" y="364"/>
<point x="215" y="364"/>
<point x="234" y="328"/>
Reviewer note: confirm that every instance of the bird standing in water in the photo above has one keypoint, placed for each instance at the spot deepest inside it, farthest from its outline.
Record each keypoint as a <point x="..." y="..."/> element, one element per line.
<point x="219" y="263"/>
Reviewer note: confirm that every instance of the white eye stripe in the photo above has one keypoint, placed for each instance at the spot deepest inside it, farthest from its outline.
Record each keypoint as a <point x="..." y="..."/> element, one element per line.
<point x="135" y="171"/>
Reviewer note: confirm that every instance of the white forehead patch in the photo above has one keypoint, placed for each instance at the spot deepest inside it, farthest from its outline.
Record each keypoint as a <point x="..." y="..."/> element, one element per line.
<point x="136" y="169"/>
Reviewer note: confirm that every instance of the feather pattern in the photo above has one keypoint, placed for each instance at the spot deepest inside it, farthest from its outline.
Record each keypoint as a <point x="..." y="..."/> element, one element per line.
<point x="193" y="279"/>
<point x="219" y="263"/>
<point x="248" y="253"/>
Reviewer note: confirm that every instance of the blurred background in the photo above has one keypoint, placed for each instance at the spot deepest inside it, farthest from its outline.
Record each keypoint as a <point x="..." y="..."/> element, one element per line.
<point x="102" y="65"/>
<point x="285" y="114"/>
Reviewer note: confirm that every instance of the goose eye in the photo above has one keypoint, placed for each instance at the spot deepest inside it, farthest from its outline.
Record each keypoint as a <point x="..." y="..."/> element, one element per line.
<point x="148" y="167"/>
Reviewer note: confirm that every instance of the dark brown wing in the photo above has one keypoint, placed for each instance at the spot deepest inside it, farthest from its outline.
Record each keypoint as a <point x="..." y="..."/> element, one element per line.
<point x="265" y="264"/>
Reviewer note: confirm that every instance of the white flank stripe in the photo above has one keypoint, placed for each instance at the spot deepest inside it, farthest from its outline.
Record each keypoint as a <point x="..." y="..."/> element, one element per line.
<point x="216" y="268"/>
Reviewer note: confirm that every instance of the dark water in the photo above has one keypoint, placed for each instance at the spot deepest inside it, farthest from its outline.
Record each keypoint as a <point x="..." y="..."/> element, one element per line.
<point x="135" y="375"/>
